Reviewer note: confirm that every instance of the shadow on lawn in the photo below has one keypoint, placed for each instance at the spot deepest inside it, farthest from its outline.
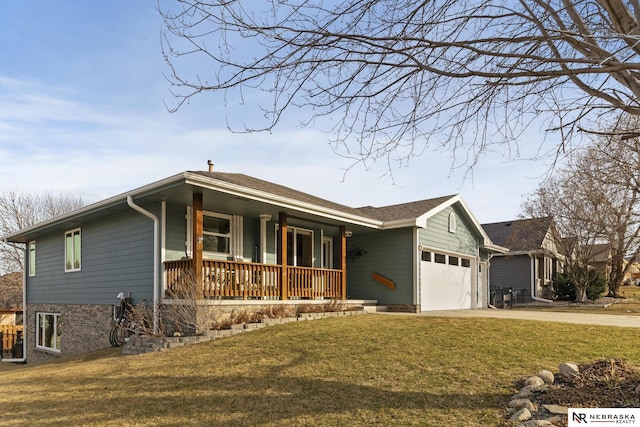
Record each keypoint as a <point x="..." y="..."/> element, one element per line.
<point x="229" y="400"/>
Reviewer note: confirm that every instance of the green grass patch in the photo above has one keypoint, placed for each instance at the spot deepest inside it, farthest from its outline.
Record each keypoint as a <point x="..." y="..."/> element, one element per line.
<point x="371" y="370"/>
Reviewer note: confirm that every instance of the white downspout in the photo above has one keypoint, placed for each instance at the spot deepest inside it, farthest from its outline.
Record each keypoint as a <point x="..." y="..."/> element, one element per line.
<point x="156" y="259"/>
<point x="533" y="280"/>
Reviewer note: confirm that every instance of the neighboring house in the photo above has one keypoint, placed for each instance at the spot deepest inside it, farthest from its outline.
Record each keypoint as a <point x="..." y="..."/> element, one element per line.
<point x="532" y="261"/>
<point x="600" y="259"/>
<point x="249" y="243"/>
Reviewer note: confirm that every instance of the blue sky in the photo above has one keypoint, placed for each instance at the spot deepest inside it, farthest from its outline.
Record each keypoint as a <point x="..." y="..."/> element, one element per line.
<point x="82" y="111"/>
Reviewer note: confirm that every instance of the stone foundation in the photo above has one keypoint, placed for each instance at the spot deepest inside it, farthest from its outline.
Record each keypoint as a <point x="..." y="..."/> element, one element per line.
<point x="214" y="314"/>
<point x="142" y="344"/>
<point x="83" y="328"/>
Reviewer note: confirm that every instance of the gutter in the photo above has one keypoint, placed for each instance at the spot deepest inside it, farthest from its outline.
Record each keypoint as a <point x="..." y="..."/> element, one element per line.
<point x="533" y="280"/>
<point x="22" y="359"/>
<point x="156" y="258"/>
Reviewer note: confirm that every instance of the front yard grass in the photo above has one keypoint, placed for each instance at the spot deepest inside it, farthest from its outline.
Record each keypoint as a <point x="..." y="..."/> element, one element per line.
<point x="629" y="306"/>
<point x="370" y="370"/>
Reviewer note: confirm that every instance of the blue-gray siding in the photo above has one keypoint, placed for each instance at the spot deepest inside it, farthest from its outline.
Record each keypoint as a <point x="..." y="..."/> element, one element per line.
<point x="389" y="253"/>
<point x="117" y="256"/>
<point x="511" y="271"/>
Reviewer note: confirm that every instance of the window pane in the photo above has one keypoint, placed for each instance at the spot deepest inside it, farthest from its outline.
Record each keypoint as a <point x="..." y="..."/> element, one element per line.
<point x="465" y="262"/>
<point x="216" y="225"/>
<point x="69" y="252"/>
<point x="49" y="329"/>
<point x="439" y="258"/>
<point x="216" y="244"/>
<point x="40" y="330"/>
<point x="426" y="256"/>
<point x="453" y="260"/>
<point x="76" y="250"/>
<point x="32" y="258"/>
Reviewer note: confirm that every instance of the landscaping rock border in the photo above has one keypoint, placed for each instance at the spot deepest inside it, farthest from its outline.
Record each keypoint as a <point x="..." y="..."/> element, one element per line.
<point x="522" y="409"/>
<point x="137" y="344"/>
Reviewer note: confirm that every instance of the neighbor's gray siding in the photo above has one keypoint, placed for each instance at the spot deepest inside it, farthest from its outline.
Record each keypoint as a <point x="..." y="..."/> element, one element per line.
<point x="389" y="253"/>
<point x="123" y="241"/>
<point x="437" y="235"/>
<point x="511" y="271"/>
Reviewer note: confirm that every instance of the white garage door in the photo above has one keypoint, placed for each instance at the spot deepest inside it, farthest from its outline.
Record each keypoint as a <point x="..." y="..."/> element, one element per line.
<point x="446" y="282"/>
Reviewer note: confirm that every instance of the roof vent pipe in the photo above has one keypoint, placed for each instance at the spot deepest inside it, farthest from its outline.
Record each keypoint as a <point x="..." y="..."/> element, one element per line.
<point x="210" y="163"/>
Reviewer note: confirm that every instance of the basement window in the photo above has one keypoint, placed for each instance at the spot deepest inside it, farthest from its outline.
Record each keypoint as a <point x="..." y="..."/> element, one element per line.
<point x="48" y="331"/>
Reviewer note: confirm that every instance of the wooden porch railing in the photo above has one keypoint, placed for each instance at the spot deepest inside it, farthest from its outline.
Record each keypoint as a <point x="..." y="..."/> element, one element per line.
<point x="244" y="280"/>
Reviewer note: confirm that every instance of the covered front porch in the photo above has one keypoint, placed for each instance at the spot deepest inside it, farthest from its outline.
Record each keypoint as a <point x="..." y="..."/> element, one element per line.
<point x="245" y="280"/>
<point x="236" y="278"/>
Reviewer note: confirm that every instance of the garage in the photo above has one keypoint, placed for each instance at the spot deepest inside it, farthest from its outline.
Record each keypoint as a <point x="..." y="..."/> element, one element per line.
<point x="446" y="281"/>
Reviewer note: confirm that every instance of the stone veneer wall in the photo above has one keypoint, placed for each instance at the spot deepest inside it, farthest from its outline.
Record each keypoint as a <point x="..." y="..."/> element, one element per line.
<point x="83" y="328"/>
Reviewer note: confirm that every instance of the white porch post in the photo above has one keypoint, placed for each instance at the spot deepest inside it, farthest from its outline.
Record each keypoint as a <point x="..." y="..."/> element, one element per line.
<point x="264" y="218"/>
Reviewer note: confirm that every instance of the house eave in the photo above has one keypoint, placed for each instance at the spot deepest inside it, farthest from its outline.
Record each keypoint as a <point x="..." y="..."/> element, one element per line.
<point x="496" y="249"/>
<point x="22" y="236"/>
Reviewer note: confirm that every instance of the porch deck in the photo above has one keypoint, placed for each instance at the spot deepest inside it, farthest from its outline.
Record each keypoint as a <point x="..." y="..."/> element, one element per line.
<point x="245" y="280"/>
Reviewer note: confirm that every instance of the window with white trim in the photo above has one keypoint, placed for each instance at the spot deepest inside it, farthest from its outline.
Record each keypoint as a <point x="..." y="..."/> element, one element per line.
<point x="48" y="331"/>
<point x="216" y="230"/>
<point x="32" y="258"/>
<point x="72" y="250"/>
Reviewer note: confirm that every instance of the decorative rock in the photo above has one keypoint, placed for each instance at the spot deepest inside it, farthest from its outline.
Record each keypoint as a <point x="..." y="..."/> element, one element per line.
<point x="524" y="393"/>
<point x="522" y="403"/>
<point x="534" y="381"/>
<point x="569" y="368"/>
<point x="536" y="423"/>
<point x="547" y="376"/>
<point x="522" y="415"/>
<point x="556" y="409"/>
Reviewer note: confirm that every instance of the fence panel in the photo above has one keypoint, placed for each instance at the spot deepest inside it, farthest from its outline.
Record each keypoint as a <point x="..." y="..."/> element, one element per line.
<point x="9" y="335"/>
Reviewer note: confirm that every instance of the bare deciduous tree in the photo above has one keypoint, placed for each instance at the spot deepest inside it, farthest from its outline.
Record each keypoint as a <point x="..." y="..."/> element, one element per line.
<point x="593" y="200"/>
<point x="22" y="210"/>
<point x="389" y="78"/>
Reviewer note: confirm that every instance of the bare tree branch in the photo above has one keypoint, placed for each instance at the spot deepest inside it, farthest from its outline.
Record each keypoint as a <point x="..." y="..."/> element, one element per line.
<point x="390" y="78"/>
<point x="22" y="210"/>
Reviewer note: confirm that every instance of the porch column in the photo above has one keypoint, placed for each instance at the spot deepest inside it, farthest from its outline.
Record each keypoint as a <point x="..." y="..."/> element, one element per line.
<point x="198" y="237"/>
<point x="343" y="261"/>
<point x="282" y="255"/>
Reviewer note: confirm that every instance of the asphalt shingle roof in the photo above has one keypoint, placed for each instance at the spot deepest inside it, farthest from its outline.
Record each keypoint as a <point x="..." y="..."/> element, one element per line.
<point x="385" y="213"/>
<point x="403" y="210"/>
<point x="519" y="235"/>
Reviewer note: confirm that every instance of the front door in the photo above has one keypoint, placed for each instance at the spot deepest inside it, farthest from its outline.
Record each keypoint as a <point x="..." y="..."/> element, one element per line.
<point x="299" y="247"/>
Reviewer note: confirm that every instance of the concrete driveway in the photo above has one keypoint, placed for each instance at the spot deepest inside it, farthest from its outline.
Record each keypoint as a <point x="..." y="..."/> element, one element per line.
<point x="546" y="316"/>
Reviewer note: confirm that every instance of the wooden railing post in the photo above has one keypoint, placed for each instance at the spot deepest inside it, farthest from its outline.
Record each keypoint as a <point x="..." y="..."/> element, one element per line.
<point x="343" y="262"/>
<point x="198" y="238"/>
<point x="282" y="255"/>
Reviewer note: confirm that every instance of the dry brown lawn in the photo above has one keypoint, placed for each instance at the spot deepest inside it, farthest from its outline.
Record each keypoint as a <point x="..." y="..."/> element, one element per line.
<point x="371" y="370"/>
